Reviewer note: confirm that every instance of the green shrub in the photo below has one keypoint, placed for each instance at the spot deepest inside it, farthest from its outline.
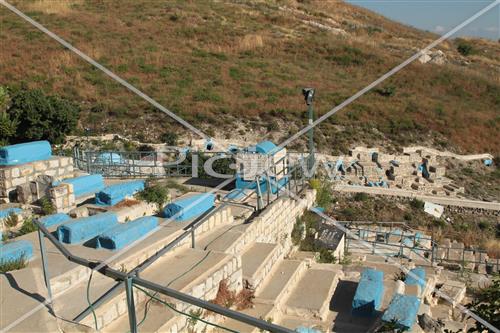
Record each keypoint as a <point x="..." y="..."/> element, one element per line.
<point x="465" y="48"/>
<point x="417" y="204"/>
<point x="27" y="227"/>
<point x="273" y="126"/>
<point x="155" y="194"/>
<point x="42" y="117"/>
<point x="326" y="256"/>
<point x="12" y="220"/>
<point x="47" y="206"/>
<point x="388" y="91"/>
<point x="360" y="196"/>
<point x="315" y="184"/>
<point x="12" y="265"/>
<point x="297" y="232"/>
<point x="324" y="197"/>
<point x="170" y="138"/>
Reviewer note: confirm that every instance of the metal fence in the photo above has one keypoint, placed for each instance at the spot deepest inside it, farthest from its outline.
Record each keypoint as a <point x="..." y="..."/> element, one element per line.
<point x="435" y="253"/>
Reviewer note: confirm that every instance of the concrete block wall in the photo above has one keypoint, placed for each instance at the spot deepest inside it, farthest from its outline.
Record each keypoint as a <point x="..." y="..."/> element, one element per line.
<point x="273" y="225"/>
<point x="57" y="167"/>
<point x="205" y="287"/>
<point x="62" y="197"/>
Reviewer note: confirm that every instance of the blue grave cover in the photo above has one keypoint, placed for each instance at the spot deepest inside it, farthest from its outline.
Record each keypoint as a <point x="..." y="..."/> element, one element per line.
<point x="113" y="194"/>
<point x="84" y="185"/>
<point x="15" y="250"/>
<point x="191" y="207"/>
<point x="416" y="276"/>
<point x="126" y="233"/>
<point x="83" y="229"/>
<point x="25" y="153"/>
<point x="54" y="219"/>
<point x="4" y="213"/>
<point x="369" y="293"/>
<point x="403" y="309"/>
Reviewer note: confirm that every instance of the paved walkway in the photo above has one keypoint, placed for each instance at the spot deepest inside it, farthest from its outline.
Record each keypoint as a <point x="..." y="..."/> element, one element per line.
<point x="447" y="201"/>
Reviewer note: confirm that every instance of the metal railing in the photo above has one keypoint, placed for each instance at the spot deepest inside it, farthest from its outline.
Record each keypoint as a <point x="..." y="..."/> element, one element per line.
<point x="131" y="279"/>
<point x="436" y="253"/>
<point x="143" y="164"/>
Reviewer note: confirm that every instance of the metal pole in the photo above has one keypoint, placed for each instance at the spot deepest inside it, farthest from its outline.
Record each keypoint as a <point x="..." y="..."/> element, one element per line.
<point x="309" y="95"/>
<point x="192" y="237"/>
<point x="259" y="194"/>
<point x="46" y="274"/>
<point x="130" y="304"/>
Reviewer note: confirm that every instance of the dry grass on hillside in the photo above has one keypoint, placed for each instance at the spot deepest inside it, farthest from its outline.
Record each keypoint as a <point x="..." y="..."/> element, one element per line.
<point x="59" y="7"/>
<point x="214" y="63"/>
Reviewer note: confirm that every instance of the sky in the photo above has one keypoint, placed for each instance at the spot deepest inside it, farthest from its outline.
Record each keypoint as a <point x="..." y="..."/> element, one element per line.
<point x="439" y="16"/>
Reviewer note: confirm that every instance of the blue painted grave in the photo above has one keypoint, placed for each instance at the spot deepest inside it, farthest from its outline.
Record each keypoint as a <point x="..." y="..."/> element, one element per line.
<point x="125" y="233"/>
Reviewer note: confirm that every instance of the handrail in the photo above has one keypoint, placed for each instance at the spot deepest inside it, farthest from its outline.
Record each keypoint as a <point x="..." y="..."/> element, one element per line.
<point x="105" y="270"/>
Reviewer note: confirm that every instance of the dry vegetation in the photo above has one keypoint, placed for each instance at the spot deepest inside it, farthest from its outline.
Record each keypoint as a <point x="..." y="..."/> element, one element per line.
<point x="215" y="63"/>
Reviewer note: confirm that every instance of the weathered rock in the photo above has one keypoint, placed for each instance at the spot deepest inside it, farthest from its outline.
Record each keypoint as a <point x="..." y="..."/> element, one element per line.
<point x="79" y="212"/>
<point x="429" y="325"/>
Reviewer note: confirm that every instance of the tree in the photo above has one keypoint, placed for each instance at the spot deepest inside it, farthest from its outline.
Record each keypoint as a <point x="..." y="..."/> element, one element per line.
<point x="42" y="117"/>
<point x="4" y="98"/>
<point x="8" y="128"/>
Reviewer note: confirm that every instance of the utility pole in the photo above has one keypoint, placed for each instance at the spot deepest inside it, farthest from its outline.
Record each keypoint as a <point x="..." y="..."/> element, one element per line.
<point x="308" y="96"/>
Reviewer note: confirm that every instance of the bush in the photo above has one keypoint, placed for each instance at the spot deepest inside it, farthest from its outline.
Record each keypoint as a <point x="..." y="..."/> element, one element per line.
<point x="12" y="265"/>
<point x="464" y="48"/>
<point x="27" y="227"/>
<point x="42" y="117"/>
<point x="360" y="196"/>
<point x="12" y="220"/>
<point x="170" y="138"/>
<point x="326" y="256"/>
<point x="8" y="128"/>
<point x="315" y="184"/>
<point x="47" y="206"/>
<point x="297" y="232"/>
<point x="272" y="126"/>
<point x="145" y="148"/>
<point x="154" y="194"/>
<point x="386" y="91"/>
<point x="417" y="204"/>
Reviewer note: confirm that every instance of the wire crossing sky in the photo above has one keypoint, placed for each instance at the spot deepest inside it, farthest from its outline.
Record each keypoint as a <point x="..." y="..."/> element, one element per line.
<point x="438" y="16"/>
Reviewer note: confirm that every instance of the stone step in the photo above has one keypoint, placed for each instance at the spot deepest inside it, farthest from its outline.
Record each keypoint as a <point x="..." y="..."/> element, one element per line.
<point x="226" y="238"/>
<point x="262" y="311"/>
<point x="67" y="274"/>
<point x="192" y="271"/>
<point x="280" y="282"/>
<point x="156" y="317"/>
<point x="311" y="297"/>
<point x="257" y="261"/>
<point x="293" y="323"/>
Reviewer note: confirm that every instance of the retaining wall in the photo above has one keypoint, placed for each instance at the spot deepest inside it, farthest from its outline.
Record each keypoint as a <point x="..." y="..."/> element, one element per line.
<point x="16" y="175"/>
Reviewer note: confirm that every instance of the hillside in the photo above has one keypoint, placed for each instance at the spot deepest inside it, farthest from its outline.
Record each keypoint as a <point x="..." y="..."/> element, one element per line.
<point x="236" y="69"/>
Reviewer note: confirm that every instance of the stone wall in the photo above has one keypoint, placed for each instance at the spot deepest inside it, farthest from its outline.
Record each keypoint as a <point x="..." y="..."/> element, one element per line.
<point x="62" y="197"/>
<point x="57" y="167"/>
